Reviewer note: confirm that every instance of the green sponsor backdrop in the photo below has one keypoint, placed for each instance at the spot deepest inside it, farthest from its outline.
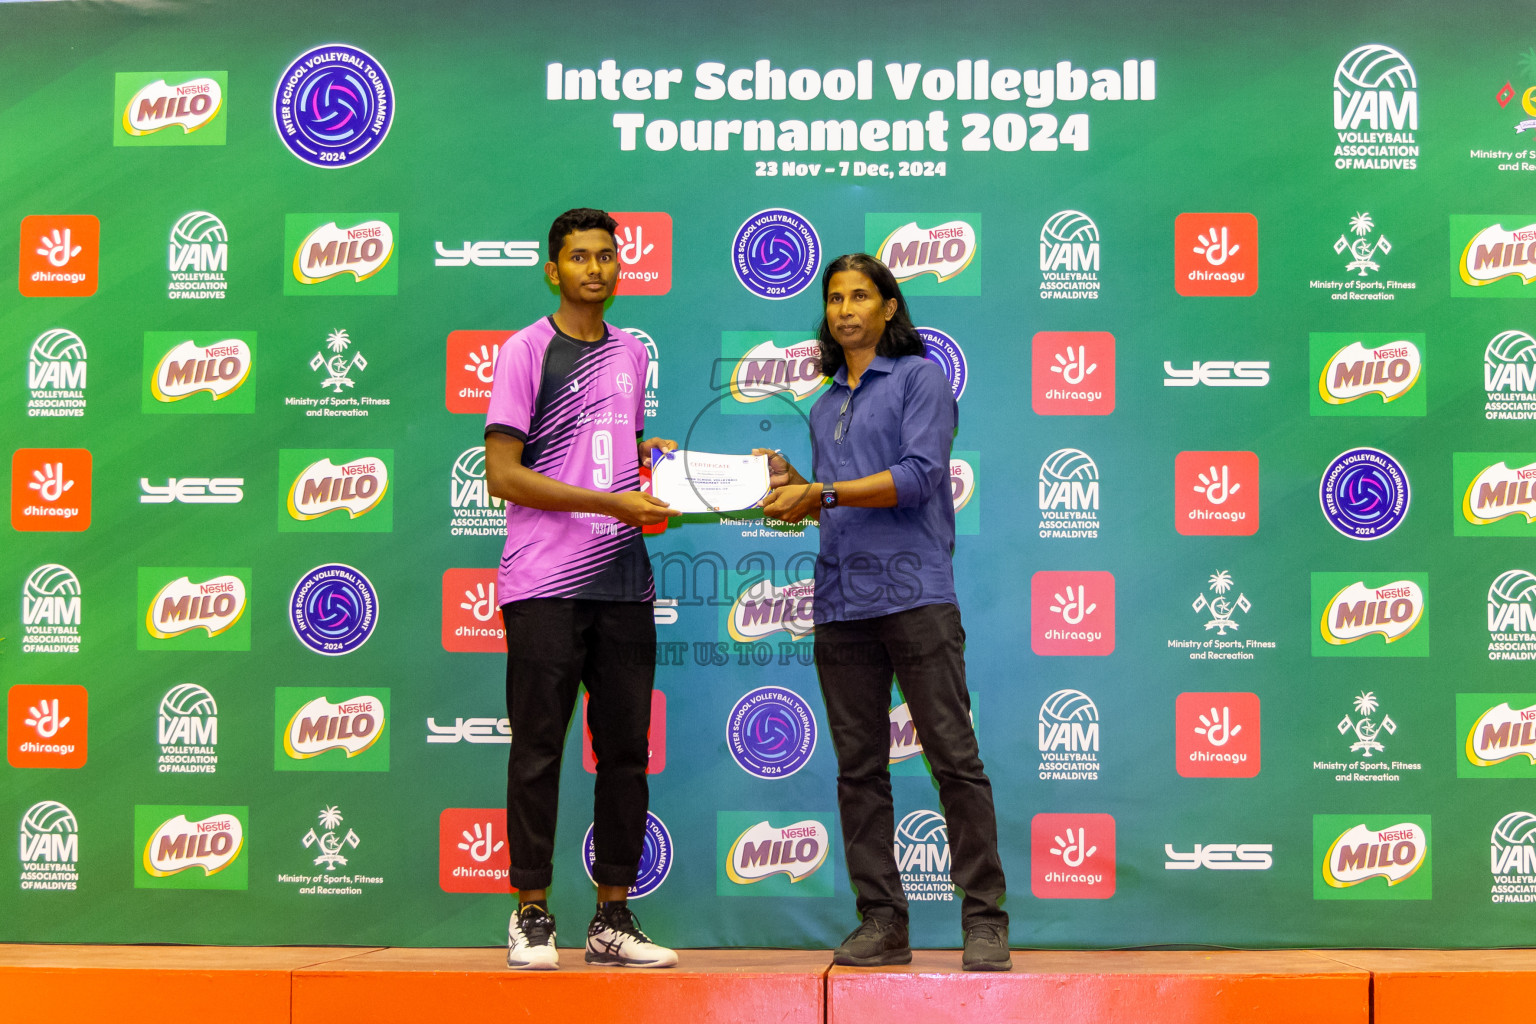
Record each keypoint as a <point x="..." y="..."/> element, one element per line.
<point x="1234" y="111"/>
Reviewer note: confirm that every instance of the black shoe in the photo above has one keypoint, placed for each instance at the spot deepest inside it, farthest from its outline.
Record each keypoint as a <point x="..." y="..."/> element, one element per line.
<point x="614" y="939"/>
<point x="876" y="942"/>
<point x="986" y="948"/>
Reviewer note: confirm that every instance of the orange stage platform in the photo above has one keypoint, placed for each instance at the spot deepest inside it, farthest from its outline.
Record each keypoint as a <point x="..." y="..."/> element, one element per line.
<point x="331" y="985"/>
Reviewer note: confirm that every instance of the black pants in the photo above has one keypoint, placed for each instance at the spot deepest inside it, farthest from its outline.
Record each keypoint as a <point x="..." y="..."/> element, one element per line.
<point x="924" y="647"/>
<point x="553" y="644"/>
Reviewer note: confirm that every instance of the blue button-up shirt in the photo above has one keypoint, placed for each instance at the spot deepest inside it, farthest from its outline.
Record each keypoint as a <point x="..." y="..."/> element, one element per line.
<point x="875" y="561"/>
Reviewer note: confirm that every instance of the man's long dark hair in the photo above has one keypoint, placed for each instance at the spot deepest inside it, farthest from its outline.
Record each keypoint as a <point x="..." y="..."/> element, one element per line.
<point x="900" y="337"/>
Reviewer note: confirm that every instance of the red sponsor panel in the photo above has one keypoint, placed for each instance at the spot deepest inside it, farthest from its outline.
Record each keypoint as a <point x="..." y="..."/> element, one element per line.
<point x="1216" y="493"/>
<point x="1216" y="735"/>
<point x="1216" y="254"/>
<point x="51" y="489"/>
<point x="59" y="255"/>
<point x="472" y="849"/>
<point x="471" y="616"/>
<point x="471" y="369"/>
<point x="1073" y="373"/>
<point x="46" y="726"/>
<point x="645" y="253"/>
<point x="1072" y="612"/>
<point x="1072" y="856"/>
<point x="657" y="736"/>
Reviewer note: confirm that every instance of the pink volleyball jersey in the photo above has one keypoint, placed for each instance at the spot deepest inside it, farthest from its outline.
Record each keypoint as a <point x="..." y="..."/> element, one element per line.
<point x="577" y="406"/>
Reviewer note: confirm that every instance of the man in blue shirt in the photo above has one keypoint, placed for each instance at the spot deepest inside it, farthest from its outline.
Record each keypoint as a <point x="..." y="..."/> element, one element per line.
<point x="885" y="603"/>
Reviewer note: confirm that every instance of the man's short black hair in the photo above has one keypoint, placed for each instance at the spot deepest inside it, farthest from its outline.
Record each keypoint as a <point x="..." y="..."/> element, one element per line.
<point x="582" y="218"/>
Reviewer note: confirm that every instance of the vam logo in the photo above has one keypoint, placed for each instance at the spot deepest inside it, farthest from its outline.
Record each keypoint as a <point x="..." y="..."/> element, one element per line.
<point x="199" y="372"/>
<point x="214" y="605"/>
<point x="1512" y="858"/>
<point x="475" y="512"/>
<point x="356" y="485"/>
<point x="763" y="609"/>
<point x="199" y="257"/>
<point x="1069" y="496"/>
<point x="187" y="840"/>
<point x="923" y="857"/>
<point x="187" y="731"/>
<point x="1375" y="110"/>
<point x="1387" y="366"/>
<point x="351" y="734"/>
<point x="1359" y="854"/>
<point x="1509" y="376"/>
<point x="1069" y="256"/>
<point x="50" y="611"/>
<point x="768" y="370"/>
<point x="1512" y="617"/>
<point x="1068" y="737"/>
<point x="762" y="851"/>
<point x="652" y="370"/>
<point x="50" y="848"/>
<point x="56" y="371"/>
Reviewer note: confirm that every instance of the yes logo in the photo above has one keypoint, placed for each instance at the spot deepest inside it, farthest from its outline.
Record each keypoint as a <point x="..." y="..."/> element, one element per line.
<point x="341" y="254"/>
<point x="1072" y="856"/>
<point x="198" y="372"/>
<point x="1216" y="493"/>
<point x="1216" y="254"/>
<point x="1072" y="373"/>
<point x="190" y="847"/>
<point x="194" y="609"/>
<point x="645" y="253"/>
<point x="1367" y="374"/>
<point x="1072" y="613"/>
<point x="336" y="490"/>
<point x="170" y="108"/>
<point x="1361" y="861"/>
<point x="760" y="858"/>
<point x="314" y="733"/>
<point x="471" y="616"/>
<point x="1216" y="735"/>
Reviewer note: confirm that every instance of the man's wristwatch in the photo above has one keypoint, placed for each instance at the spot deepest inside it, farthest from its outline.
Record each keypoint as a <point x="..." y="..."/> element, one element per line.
<point x="828" y="496"/>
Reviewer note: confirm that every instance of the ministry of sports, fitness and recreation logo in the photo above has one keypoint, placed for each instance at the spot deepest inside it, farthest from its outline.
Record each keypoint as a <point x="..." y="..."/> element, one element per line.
<point x="187" y="731"/>
<point x="1072" y="373"/>
<point x="190" y="847"/>
<point x="194" y="609"/>
<point x="1072" y="856"/>
<point x="1367" y="374"/>
<point x="56" y="370"/>
<point x="50" y="611"/>
<point x="929" y="253"/>
<point x="1362" y="861"/>
<point x="1374" y="615"/>
<point x="1512" y="858"/>
<point x="776" y="254"/>
<point x="1069" y="496"/>
<point x="1375" y="110"/>
<point x="760" y="858"/>
<point x="50" y="848"/>
<point x="763" y="609"/>
<point x="334" y="106"/>
<point x="198" y="257"/>
<point x="1069" y="256"/>
<point x="336" y="490"/>
<point x="1069" y="737"/>
<point x="199" y="372"/>
<point x="945" y="351"/>
<point x="1512" y="617"/>
<point x="1217" y="735"/>
<point x="1222" y="610"/>
<point x="1364" y="494"/>
<point x="1509" y="376"/>
<point x="1496" y="493"/>
<point x="923" y="857"/>
<point x="771" y="732"/>
<point x="655" y="857"/>
<point x="315" y="733"/>
<point x="150" y="103"/>
<point x="328" y="867"/>
<point x="334" y="609"/>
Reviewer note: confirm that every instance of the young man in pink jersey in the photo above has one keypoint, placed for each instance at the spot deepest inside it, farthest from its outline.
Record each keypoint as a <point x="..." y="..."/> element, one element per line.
<point x="562" y="449"/>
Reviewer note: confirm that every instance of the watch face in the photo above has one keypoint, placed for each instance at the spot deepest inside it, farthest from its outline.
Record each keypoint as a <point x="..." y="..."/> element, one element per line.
<point x="829" y="499"/>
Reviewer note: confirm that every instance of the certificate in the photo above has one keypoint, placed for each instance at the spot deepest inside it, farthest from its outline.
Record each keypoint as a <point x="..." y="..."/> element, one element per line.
<point x="705" y="482"/>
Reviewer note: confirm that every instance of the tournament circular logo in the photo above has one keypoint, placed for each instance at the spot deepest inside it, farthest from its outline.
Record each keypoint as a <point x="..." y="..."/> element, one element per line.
<point x="945" y="351"/>
<point x="1364" y="494"/>
<point x="655" y="857"/>
<point x="333" y="609"/>
<point x="771" y="732"/>
<point x="333" y="106"/>
<point x="776" y="254"/>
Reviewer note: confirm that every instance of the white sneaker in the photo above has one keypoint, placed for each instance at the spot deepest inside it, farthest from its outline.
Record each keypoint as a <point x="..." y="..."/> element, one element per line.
<point x="531" y="940"/>
<point x="614" y="939"/>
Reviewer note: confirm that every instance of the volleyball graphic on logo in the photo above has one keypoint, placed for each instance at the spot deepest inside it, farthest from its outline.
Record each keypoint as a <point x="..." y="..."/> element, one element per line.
<point x="776" y="254"/>
<point x="48" y="816"/>
<point x="1516" y="829"/>
<point x="57" y="345"/>
<point x="923" y="827"/>
<point x="1511" y="347"/>
<point x="333" y="609"/>
<point x="1364" y="494"/>
<point x="1374" y="66"/>
<point x="945" y="351"/>
<point x="655" y="857"/>
<point x="1516" y="585"/>
<point x="771" y="732"/>
<point x="1069" y="706"/>
<point x="52" y="580"/>
<point x="1067" y="227"/>
<point x="1069" y="464"/>
<point x="334" y="106"/>
<point x="187" y="699"/>
<point x="198" y="227"/>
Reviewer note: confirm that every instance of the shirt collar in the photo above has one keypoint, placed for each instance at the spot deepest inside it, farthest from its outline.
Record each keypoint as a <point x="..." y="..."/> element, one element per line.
<point x="880" y="364"/>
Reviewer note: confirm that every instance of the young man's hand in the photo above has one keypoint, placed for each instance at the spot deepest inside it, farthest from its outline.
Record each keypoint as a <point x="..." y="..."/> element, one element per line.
<point x="636" y="508"/>
<point x="645" y="447"/>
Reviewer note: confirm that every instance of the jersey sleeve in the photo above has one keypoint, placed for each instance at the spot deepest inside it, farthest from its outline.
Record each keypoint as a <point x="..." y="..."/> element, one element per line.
<point x="643" y="364"/>
<point x="514" y="389"/>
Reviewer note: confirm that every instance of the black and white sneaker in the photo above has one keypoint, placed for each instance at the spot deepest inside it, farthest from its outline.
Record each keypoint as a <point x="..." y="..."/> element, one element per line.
<point x="531" y="940"/>
<point x="614" y="939"/>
